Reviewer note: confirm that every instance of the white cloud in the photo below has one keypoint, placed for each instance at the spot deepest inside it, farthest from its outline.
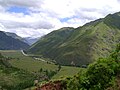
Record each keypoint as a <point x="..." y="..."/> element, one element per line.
<point x="27" y="32"/>
<point x="46" y="15"/>
<point x="33" y="25"/>
<point x="24" y="3"/>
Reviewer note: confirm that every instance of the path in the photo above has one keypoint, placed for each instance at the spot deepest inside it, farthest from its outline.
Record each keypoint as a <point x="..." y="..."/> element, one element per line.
<point x="34" y="57"/>
<point x="40" y="59"/>
<point x="23" y="53"/>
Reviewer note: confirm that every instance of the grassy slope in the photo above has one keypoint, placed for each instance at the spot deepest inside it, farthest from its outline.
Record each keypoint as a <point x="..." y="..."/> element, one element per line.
<point x="91" y="43"/>
<point x="100" y="75"/>
<point x="86" y="44"/>
<point x="66" y="71"/>
<point x="47" y="45"/>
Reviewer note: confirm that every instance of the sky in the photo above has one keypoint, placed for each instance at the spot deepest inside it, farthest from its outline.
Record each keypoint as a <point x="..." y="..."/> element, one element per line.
<point x="35" y="18"/>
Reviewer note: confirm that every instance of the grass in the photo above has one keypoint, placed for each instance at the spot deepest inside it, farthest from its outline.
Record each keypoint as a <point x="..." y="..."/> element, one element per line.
<point x="27" y="63"/>
<point x="66" y="71"/>
<point x="30" y="64"/>
<point x="14" y="79"/>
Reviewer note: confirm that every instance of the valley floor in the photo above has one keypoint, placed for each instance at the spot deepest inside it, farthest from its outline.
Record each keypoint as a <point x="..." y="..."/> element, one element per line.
<point x="38" y="66"/>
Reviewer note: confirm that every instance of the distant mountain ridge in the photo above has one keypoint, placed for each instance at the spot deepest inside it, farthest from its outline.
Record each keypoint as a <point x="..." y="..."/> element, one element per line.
<point x="30" y="40"/>
<point x="13" y="35"/>
<point x="11" y="42"/>
<point x="81" y="45"/>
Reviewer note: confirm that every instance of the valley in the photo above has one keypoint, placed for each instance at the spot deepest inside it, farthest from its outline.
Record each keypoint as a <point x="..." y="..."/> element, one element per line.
<point x="82" y="58"/>
<point x="82" y="45"/>
<point x="37" y="67"/>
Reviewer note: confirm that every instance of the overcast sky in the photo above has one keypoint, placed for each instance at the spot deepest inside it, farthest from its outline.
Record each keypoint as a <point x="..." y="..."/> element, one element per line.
<point x="34" y="18"/>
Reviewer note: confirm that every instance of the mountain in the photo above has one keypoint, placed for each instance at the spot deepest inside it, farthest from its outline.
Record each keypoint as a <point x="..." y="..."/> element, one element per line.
<point x="8" y="42"/>
<point x="51" y="41"/>
<point x="81" y="45"/>
<point x="30" y="40"/>
<point x="13" y="35"/>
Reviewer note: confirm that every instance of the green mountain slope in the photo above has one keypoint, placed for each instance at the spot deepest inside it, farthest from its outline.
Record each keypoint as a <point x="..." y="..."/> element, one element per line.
<point x="51" y="41"/>
<point x="84" y="45"/>
<point x="104" y="74"/>
<point x="10" y="43"/>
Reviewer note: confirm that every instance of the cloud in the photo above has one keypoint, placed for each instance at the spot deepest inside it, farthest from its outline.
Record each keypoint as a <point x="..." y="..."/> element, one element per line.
<point x="34" y="25"/>
<point x="29" y="32"/>
<point x="23" y="3"/>
<point x="39" y="17"/>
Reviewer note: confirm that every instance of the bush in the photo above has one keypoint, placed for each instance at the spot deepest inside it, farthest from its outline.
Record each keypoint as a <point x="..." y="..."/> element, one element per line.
<point x="99" y="75"/>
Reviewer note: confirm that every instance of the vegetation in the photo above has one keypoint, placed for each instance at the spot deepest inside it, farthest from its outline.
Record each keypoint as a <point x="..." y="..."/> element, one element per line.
<point x="82" y="45"/>
<point x="41" y="71"/>
<point x="47" y="46"/>
<point x="27" y="63"/>
<point x="12" y="78"/>
<point x="99" y="76"/>
<point x="67" y="71"/>
<point x="66" y="46"/>
<point x="113" y="20"/>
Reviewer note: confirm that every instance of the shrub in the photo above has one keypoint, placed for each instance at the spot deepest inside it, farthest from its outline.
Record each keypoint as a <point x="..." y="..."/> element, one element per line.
<point x="99" y="75"/>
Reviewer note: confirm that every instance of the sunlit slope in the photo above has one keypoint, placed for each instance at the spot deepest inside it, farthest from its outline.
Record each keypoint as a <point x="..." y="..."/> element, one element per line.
<point x="82" y="46"/>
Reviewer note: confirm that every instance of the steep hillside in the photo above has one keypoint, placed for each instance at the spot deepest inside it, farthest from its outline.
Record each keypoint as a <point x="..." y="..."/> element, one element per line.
<point x="48" y="44"/>
<point x="9" y="42"/>
<point x="84" y="45"/>
<point x="103" y="74"/>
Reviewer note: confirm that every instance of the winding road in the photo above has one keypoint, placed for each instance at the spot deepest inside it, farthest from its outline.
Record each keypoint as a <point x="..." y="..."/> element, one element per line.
<point x="24" y="53"/>
<point x="34" y="57"/>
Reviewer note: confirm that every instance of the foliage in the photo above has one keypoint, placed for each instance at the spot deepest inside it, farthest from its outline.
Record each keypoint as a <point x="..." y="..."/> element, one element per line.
<point x="12" y="78"/>
<point x="40" y="70"/>
<point x="15" y="79"/>
<point x="99" y="75"/>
